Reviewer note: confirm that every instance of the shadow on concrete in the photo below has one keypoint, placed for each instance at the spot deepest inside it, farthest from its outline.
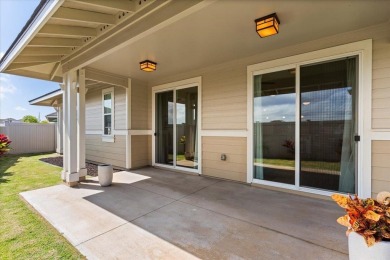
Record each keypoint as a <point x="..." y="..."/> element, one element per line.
<point x="220" y="219"/>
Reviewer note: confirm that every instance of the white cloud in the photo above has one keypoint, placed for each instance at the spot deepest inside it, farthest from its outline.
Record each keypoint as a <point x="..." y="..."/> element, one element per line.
<point x="19" y="108"/>
<point x="1" y="54"/>
<point x="6" y="86"/>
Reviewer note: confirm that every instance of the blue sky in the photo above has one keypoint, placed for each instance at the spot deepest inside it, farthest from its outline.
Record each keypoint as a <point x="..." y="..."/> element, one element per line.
<point x="15" y="91"/>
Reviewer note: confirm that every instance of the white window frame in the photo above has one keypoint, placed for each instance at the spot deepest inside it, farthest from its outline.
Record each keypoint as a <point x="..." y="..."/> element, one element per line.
<point x="109" y="138"/>
<point x="362" y="49"/>
<point x="187" y="83"/>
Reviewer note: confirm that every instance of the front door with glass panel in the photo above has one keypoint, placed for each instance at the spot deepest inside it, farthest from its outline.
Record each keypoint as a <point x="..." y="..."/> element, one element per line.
<point x="305" y="124"/>
<point x="176" y="135"/>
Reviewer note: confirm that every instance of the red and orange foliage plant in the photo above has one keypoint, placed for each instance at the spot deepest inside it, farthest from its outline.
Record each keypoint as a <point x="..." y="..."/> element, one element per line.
<point x="4" y="144"/>
<point x="368" y="217"/>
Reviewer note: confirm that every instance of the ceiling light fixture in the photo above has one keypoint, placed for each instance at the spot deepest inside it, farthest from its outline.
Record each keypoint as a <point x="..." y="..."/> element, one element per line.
<point x="148" y="65"/>
<point x="267" y="25"/>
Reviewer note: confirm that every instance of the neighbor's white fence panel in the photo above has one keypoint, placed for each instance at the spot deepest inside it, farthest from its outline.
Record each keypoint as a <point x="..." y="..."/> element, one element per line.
<point x="31" y="138"/>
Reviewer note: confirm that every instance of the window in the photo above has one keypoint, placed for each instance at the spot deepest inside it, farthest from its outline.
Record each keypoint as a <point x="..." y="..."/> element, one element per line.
<point x="108" y="112"/>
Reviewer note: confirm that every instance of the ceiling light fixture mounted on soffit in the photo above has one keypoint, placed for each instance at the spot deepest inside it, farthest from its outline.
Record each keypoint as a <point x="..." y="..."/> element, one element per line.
<point x="267" y="25"/>
<point x="148" y="65"/>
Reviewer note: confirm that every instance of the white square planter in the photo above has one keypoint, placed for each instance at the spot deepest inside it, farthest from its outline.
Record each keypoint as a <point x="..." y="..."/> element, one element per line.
<point x="358" y="249"/>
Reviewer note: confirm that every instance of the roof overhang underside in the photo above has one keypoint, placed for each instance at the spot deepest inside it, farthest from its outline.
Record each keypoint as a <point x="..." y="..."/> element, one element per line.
<point x="61" y="30"/>
<point x="114" y="36"/>
<point x="52" y="99"/>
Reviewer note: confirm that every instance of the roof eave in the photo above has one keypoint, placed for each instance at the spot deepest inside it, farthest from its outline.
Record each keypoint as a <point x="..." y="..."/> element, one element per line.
<point x="52" y="95"/>
<point x="42" y="13"/>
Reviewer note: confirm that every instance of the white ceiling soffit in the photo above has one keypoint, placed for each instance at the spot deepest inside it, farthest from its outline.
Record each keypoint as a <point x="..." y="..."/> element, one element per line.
<point x="63" y="27"/>
<point x="179" y="35"/>
<point x="225" y="31"/>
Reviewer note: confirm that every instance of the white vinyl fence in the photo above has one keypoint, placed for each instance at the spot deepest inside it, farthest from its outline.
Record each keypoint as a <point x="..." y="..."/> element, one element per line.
<point x="30" y="138"/>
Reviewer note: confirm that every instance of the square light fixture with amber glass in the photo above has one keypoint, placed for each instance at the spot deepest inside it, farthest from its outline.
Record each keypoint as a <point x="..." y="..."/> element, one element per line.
<point x="267" y="25"/>
<point x="148" y="65"/>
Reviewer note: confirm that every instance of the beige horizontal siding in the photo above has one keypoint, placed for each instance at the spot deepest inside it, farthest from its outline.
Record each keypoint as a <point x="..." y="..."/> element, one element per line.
<point x="224" y="99"/>
<point x="380" y="166"/>
<point x="120" y="108"/>
<point x="379" y="84"/>
<point x="104" y="152"/>
<point x="139" y="151"/>
<point x="94" y="110"/>
<point x="150" y="107"/>
<point x="139" y="106"/>
<point x="381" y="49"/>
<point x="381" y="81"/>
<point x="150" y="150"/>
<point x="381" y="63"/>
<point x="234" y="168"/>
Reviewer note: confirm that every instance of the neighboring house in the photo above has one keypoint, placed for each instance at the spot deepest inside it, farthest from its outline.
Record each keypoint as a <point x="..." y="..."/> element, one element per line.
<point x="52" y="118"/>
<point x="306" y="110"/>
<point x="9" y="121"/>
<point x="53" y="99"/>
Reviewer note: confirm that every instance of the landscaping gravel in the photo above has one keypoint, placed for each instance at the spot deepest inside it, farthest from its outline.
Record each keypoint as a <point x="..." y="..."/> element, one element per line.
<point x="58" y="161"/>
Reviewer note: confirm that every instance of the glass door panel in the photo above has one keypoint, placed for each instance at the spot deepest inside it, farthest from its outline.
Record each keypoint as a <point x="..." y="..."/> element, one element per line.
<point x="327" y="126"/>
<point x="274" y="126"/>
<point x="176" y="139"/>
<point x="186" y="127"/>
<point x="164" y="128"/>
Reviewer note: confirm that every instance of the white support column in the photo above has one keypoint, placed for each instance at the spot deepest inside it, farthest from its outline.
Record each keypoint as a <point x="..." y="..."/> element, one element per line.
<point x="70" y="114"/>
<point x="81" y="168"/>
<point x="59" y="148"/>
<point x="64" y="127"/>
<point x="128" y="124"/>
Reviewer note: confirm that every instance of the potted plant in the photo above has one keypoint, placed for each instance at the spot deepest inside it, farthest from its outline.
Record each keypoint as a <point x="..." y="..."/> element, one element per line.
<point x="290" y="145"/>
<point x="368" y="223"/>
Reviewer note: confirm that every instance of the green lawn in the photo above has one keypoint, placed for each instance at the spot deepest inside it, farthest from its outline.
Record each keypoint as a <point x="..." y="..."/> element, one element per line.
<point x="333" y="166"/>
<point x="23" y="233"/>
<point x="179" y="157"/>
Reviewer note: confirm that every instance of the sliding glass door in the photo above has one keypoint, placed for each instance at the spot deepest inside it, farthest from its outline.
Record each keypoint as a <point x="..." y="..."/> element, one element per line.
<point x="317" y="106"/>
<point x="176" y="121"/>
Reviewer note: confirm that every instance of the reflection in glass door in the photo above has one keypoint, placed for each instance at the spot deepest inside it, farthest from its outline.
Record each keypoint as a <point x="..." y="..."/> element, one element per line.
<point x="326" y="154"/>
<point x="164" y="128"/>
<point x="274" y="126"/>
<point x="327" y="127"/>
<point x="176" y="137"/>
<point x="186" y="127"/>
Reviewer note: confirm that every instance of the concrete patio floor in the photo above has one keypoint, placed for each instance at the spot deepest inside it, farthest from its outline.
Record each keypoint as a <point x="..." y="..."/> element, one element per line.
<point x="157" y="214"/>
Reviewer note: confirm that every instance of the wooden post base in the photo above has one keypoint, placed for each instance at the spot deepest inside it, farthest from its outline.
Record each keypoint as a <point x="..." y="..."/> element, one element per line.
<point x="71" y="184"/>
